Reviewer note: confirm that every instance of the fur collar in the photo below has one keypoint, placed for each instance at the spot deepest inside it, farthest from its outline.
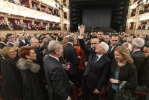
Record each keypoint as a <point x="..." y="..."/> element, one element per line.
<point x="24" y="64"/>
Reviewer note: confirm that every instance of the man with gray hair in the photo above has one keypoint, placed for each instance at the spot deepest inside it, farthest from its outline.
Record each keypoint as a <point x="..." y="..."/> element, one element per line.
<point x="138" y="56"/>
<point x="96" y="70"/>
<point x="57" y="79"/>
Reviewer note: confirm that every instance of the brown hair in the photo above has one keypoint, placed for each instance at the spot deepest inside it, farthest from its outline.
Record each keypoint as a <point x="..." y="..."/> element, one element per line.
<point x="125" y="52"/>
<point x="25" y="50"/>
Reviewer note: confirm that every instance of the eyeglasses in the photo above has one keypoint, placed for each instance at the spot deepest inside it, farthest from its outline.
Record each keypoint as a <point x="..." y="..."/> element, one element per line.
<point x="10" y="37"/>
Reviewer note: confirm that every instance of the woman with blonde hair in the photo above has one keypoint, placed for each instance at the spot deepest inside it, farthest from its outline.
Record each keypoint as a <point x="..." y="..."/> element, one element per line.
<point x="122" y="70"/>
<point x="12" y="88"/>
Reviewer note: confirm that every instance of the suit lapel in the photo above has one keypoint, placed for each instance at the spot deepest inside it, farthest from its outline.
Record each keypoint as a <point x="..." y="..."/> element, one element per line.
<point x="101" y="59"/>
<point x="55" y="60"/>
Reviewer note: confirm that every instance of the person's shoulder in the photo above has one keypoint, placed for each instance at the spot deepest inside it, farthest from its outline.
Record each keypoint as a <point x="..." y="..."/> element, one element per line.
<point x="131" y="66"/>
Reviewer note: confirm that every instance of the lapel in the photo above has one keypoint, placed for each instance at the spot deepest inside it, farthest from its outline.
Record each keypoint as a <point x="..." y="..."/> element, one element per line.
<point x="55" y="60"/>
<point x="113" y="49"/>
<point x="102" y="58"/>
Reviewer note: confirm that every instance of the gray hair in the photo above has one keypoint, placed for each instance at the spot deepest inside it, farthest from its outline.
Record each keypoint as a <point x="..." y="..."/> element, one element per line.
<point x="138" y="42"/>
<point x="71" y="38"/>
<point x="105" y="46"/>
<point x="53" y="45"/>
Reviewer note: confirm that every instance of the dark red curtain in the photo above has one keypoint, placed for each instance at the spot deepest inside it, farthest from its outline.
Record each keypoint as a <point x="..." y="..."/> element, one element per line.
<point x="135" y="0"/>
<point x="12" y="20"/>
<point x="131" y="26"/>
<point x="26" y="2"/>
<point x="65" y="15"/>
<point x="27" y="21"/>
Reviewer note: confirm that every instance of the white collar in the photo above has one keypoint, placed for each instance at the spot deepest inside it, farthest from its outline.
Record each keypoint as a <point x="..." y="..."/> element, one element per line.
<point x="54" y="57"/>
<point x="70" y="43"/>
<point x="99" y="56"/>
<point x="136" y="50"/>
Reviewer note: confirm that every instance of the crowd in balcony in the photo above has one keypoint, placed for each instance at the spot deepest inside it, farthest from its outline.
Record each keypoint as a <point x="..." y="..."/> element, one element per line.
<point x="144" y="26"/>
<point x="17" y="25"/>
<point x="36" y="7"/>
<point x="145" y="10"/>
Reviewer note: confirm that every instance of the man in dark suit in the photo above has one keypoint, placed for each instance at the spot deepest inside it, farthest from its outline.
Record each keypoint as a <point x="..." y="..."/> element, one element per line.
<point x="96" y="71"/>
<point x="57" y="79"/>
<point x="11" y="41"/>
<point x="138" y="56"/>
<point x="113" y="44"/>
<point x="70" y="55"/>
<point x="23" y="42"/>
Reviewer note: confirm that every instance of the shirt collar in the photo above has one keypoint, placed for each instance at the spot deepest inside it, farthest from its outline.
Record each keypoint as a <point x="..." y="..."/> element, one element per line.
<point x="70" y="43"/>
<point x="99" y="56"/>
<point x="54" y="57"/>
<point x="136" y="50"/>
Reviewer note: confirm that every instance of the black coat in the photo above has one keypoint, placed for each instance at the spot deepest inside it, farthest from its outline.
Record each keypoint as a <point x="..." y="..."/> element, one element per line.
<point x="138" y="58"/>
<point x="144" y="70"/>
<point x="95" y="73"/>
<point x="23" y="44"/>
<point x="32" y="89"/>
<point x="57" y="79"/>
<point x="127" y="73"/>
<point x="70" y="55"/>
<point x="111" y="54"/>
<point x="12" y="87"/>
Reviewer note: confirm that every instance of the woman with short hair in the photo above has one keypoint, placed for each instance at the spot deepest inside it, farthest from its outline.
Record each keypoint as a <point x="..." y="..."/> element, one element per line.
<point x="29" y="70"/>
<point x="122" y="69"/>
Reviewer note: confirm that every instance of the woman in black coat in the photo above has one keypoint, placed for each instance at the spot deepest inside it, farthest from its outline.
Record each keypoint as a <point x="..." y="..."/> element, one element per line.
<point x="12" y="88"/>
<point x="122" y="69"/>
<point x="31" y="85"/>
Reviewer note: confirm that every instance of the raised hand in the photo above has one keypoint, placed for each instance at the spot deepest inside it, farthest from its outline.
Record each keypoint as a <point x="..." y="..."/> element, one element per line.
<point x="82" y="29"/>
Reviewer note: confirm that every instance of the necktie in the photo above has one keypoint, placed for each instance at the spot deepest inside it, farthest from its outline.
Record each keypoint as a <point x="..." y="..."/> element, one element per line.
<point x="110" y="49"/>
<point x="96" y="59"/>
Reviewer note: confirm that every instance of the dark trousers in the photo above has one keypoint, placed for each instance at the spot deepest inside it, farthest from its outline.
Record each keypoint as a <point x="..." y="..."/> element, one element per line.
<point x="111" y="94"/>
<point x="88" y="93"/>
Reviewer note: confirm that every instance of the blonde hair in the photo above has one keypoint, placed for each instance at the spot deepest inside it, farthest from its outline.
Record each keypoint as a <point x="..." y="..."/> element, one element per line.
<point x="125" y="52"/>
<point x="5" y="51"/>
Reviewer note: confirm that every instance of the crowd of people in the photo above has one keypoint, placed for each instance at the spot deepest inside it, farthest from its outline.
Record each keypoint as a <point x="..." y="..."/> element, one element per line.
<point x="54" y="66"/>
<point x="17" y="25"/>
<point x="37" y="7"/>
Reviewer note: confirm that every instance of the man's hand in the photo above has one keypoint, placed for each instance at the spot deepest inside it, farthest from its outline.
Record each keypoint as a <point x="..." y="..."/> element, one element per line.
<point x="82" y="28"/>
<point x="96" y="91"/>
<point x="69" y="98"/>
<point x="66" y="66"/>
<point x="113" y="81"/>
<point x="16" y="43"/>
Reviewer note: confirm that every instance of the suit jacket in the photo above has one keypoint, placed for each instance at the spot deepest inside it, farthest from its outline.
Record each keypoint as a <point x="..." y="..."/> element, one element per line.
<point x="22" y="43"/>
<point x="70" y="55"/>
<point x="96" y="73"/>
<point x="144" y="70"/>
<point x="111" y="54"/>
<point x="57" y="79"/>
<point x="138" y="58"/>
<point x="10" y="44"/>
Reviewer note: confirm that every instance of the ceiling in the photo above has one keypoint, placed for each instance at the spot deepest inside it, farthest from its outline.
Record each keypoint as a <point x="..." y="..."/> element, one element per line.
<point x="95" y="3"/>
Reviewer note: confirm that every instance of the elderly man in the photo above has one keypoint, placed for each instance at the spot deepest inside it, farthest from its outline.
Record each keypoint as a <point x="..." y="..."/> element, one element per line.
<point x="57" y="79"/>
<point x="138" y="56"/>
<point x="96" y="71"/>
